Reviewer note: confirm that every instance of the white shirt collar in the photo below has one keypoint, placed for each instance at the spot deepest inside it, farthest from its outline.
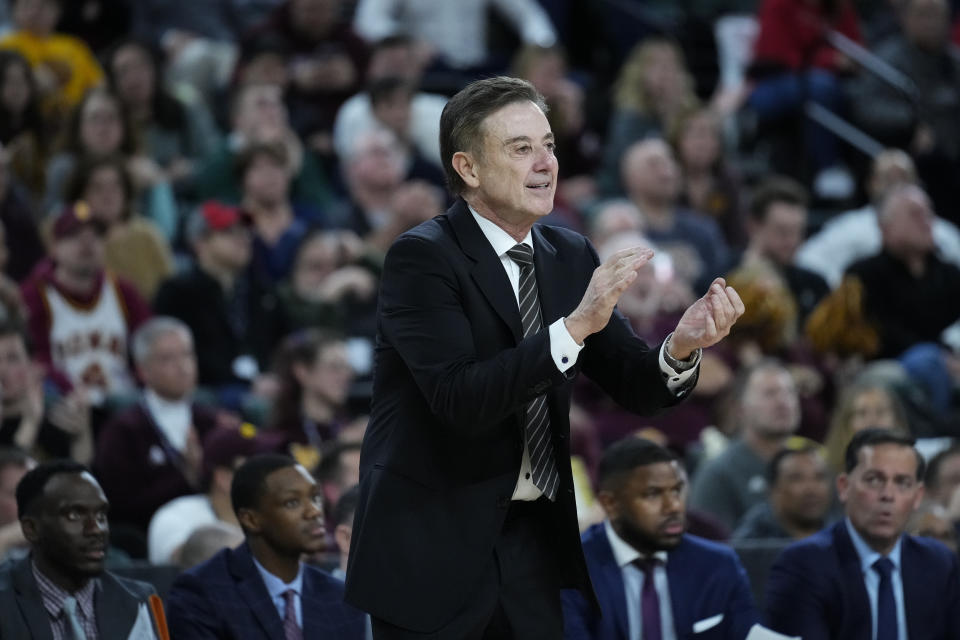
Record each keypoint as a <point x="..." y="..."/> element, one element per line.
<point x="623" y="553"/>
<point x="174" y="417"/>
<point x="867" y="555"/>
<point x="500" y="240"/>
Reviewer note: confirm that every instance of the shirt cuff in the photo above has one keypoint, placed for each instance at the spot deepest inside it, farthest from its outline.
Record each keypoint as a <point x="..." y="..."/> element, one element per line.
<point x="676" y="380"/>
<point x="563" y="347"/>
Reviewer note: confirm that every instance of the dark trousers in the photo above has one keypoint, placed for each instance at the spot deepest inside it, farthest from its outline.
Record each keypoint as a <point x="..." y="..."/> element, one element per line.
<point x="518" y="595"/>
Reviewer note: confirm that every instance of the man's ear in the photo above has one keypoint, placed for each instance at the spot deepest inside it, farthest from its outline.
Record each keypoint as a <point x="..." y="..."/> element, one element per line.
<point x="249" y="520"/>
<point x="843" y="487"/>
<point x="30" y="530"/>
<point x="608" y="502"/>
<point x="466" y="167"/>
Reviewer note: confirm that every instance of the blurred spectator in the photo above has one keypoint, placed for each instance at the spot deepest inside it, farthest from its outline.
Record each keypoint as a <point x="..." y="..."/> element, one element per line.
<point x="326" y="63"/>
<point x="314" y="375"/>
<point x="259" y="115"/>
<point x="175" y="134"/>
<point x="24" y="133"/>
<point x="777" y="226"/>
<point x="44" y="423"/>
<point x="925" y="120"/>
<point x="642" y="544"/>
<point x="943" y="478"/>
<point x="23" y="248"/>
<point x="798" y="497"/>
<point x="330" y="285"/>
<point x="793" y="64"/>
<point x="224" y="449"/>
<point x="278" y="224"/>
<point x="339" y="471"/>
<point x="198" y="39"/>
<point x="863" y="404"/>
<point x="652" y="93"/>
<point x="844" y="581"/>
<point x="767" y="413"/>
<point x="710" y="186"/>
<point x="14" y="464"/>
<point x="910" y="294"/>
<point x="81" y="317"/>
<point x="207" y="541"/>
<point x="99" y="128"/>
<point x="930" y="520"/>
<point x="235" y="319"/>
<point x="454" y="35"/>
<point x="263" y="583"/>
<point x="62" y="589"/>
<point x="64" y="68"/>
<point x="99" y="23"/>
<point x="150" y="453"/>
<point x="392" y="57"/>
<point x="343" y="522"/>
<point x="134" y="246"/>
<point x="382" y="205"/>
<point x="847" y="237"/>
<point x="652" y="180"/>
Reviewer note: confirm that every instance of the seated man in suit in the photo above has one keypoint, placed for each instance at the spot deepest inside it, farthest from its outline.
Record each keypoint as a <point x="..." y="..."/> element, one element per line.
<point x="262" y="589"/>
<point x="863" y="578"/>
<point x="61" y="590"/>
<point x="698" y="588"/>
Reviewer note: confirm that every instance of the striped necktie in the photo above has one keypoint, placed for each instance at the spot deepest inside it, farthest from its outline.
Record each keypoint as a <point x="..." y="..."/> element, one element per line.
<point x="291" y="630"/>
<point x="543" y="466"/>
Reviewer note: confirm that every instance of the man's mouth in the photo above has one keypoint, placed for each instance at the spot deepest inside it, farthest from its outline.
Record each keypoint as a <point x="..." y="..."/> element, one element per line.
<point x="539" y="185"/>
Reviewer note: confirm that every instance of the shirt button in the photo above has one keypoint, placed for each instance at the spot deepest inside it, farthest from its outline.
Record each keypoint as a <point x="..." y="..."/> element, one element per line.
<point x="564" y="359"/>
<point x="526" y="476"/>
<point x="676" y="379"/>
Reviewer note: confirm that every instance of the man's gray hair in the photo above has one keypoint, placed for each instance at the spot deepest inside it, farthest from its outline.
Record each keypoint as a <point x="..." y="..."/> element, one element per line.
<point x="144" y="337"/>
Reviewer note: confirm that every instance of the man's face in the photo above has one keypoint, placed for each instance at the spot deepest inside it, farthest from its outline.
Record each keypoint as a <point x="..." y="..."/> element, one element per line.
<point x="9" y="479"/>
<point x="648" y="510"/>
<point x="170" y="369"/>
<point x="134" y="74"/>
<point x="927" y="24"/>
<point x="15" y="373"/>
<point x="948" y="479"/>
<point x="290" y="513"/>
<point x="770" y="405"/>
<point x="260" y="113"/>
<point x="881" y="492"/>
<point x="81" y="253"/>
<point x="515" y="176"/>
<point x="36" y="16"/>
<point x="908" y="225"/>
<point x="394" y="112"/>
<point x="230" y="248"/>
<point x="330" y="375"/>
<point x="935" y="524"/>
<point x="106" y="195"/>
<point x="267" y="181"/>
<point x="780" y="233"/>
<point x="873" y="408"/>
<point x="802" y="490"/>
<point x="70" y="529"/>
<point x="650" y="172"/>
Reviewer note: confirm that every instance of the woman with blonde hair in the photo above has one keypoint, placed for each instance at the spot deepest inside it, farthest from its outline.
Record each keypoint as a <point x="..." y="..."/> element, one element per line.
<point x="866" y="403"/>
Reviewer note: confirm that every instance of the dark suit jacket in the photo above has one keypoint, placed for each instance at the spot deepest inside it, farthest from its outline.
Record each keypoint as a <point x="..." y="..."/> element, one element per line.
<point x="442" y="452"/>
<point x="22" y="616"/>
<point x="225" y="598"/>
<point x="815" y="589"/>
<point x="706" y="581"/>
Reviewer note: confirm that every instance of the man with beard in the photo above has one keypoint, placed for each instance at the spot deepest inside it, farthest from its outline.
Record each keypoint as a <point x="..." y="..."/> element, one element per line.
<point x="61" y="590"/>
<point x="262" y="589"/>
<point x="652" y="580"/>
<point x="864" y="578"/>
<point x="767" y="411"/>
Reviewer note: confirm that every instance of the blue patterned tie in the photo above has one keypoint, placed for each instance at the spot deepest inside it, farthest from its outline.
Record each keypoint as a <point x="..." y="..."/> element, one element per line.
<point x="74" y="628"/>
<point x="291" y="630"/>
<point x="543" y="466"/>
<point x="887" y="628"/>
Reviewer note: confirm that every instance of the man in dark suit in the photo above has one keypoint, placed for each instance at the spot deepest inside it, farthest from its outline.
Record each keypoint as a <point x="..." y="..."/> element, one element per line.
<point x="466" y="525"/>
<point x="652" y="579"/>
<point x="863" y="578"/>
<point x="262" y="590"/>
<point x="61" y="590"/>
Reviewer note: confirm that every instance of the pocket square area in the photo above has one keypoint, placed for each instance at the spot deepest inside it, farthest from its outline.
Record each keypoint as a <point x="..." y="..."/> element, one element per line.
<point x="707" y="623"/>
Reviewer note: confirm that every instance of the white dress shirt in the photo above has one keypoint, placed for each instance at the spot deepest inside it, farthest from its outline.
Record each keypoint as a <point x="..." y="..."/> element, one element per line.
<point x="563" y="348"/>
<point x="277" y="587"/>
<point x="871" y="580"/>
<point x="174" y="418"/>
<point x="633" y="578"/>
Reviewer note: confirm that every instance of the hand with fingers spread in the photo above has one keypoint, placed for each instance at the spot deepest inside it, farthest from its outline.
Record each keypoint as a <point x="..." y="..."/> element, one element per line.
<point x="607" y="284"/>
<point x="706" y="321"/>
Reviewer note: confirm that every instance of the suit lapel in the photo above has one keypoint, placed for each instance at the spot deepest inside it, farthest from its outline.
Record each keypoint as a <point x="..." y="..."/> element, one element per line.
<point x="312" y="606"/>
<point x="117" y="610"/>
<point x="609" y="579"/>
<point x="487" y="270"/>
<point x="851" y="575"/>
<point x="914" y="585"/>
<point x="254" y="592"/>
<point x="30" y="602"/>
<point x="681" y="599"/>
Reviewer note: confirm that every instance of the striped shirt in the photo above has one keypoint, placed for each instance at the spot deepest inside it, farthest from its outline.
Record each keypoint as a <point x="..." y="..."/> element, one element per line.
<point x="53" y="597"/>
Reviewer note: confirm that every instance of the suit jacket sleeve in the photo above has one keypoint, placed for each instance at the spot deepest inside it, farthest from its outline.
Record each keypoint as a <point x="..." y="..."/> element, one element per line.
<point x="794" y="602"/>
<point x="576" y="615"/>
<point x="741" y="611"/>
<point x="423" y="318"/>
<point x="189" y="612"/>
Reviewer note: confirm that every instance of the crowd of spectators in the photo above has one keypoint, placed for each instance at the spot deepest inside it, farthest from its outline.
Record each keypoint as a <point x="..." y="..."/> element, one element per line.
<point x="196" y="199"/>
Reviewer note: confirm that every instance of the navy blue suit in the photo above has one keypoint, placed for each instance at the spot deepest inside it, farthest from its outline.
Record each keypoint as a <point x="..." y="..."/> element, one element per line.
<point x="815" y="589"/>
<point x="225" y="598"/>
<point x="706" y="580"/>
